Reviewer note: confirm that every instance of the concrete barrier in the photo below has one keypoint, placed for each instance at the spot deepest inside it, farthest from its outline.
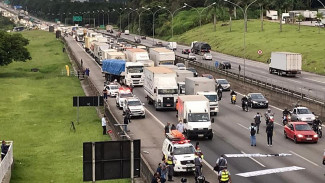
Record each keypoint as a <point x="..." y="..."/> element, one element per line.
<point x="6" y="164"/>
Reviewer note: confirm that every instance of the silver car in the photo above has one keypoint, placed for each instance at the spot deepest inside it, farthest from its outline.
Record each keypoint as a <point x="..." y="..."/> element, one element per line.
<point x="302" y="114"/>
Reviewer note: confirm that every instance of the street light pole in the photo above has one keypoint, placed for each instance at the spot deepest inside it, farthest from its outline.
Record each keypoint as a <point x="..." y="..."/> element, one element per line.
<point x="153" y="25"/>
<point x="321" y="3"/>
<point x="132" y="10"/>
<point x="245" y="30"/>
<point x="173" y="18"/>
<point x="146" y="9"/>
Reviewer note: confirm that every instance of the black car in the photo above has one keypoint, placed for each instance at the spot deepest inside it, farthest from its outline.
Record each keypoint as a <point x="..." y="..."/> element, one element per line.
<point x="143" y="37"/>
<point x="257" y="100"/>
<point x="186" y="51"/>
<point x="192" y="69"/>
<point x="225" y="65"/>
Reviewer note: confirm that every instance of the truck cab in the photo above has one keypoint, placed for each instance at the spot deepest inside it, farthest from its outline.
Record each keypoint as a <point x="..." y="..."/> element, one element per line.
<point x="182" y="149"/>
<point x="213" y="99"/>
<point x="194" y="111"/>
<point x="134" y="74"/>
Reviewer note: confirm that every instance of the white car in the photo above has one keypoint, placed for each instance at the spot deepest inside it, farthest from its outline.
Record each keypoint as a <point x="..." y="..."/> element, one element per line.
<point x="134" y="106"/>
<point x="191" y="56"/>
<point x="319" y="24"/>
<point x="181" y="66"/>
<point x="223" y="83"/>
<point x="183" y="150"/>
<point x="207" y="56"/>
<point x="122" y="94"/>
<point x="302" y="114"/>
<point x="112" y="89"/>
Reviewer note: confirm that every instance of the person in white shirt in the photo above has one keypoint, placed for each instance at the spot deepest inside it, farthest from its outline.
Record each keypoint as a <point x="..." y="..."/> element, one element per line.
<point x="104" y="124"/>
<point x="180" y="127"/>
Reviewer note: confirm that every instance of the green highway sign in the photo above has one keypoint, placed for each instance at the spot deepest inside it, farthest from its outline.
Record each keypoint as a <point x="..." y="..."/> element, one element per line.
<point x="56" y="20"/>
<point x="77" y="18"/>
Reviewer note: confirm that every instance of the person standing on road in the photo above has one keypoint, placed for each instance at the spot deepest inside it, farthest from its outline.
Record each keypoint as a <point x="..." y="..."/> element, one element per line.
<point x="163" y="168"/>
<point x="224" y="176"/>
<point x="104" y="124"/>
<point x="126" y="120"/>
<point x="257" y="120"/>
<point x="180" y="126"/>
<point x="221" y="163"/>
<point x="252" y="130"/>
<point x="105" y="94"/>
<point x="81" y="63"/>
<point x="173" y="127"/>
<point x="198" y="166"/>
<point x="170" y="166"/>
<point x="269" y="134"/>
<point x="167" y="128"/>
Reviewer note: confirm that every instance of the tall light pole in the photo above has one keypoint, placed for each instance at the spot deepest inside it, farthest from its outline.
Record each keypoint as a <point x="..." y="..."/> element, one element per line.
<point x="321" y="3"/>
<point x="103" y="13"/>
<point x="245" y="29"/>
<point x="148" y="9"/>
<point x="132" y="10"/>
<point x="108" y="17"/>
<point x="200" y="12"/>
<point x="145" y="9"/>
<point x="153" y="24"/>
<point x="120" y="12"/>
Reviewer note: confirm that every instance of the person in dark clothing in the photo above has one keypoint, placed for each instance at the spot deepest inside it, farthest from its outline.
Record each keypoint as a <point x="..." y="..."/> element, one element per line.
<point x="155" y="178"/>
<point x="126" y="120"/>
<point x="173" y="127"/>
<point x="257" y="120"/>
<point x="159" y="169"/>
<point x="233" y="93"/>
<point x="81" y="63"/>
<point x="167" y="127"/>
<point x="4" y="149"/>
<point x="243" y="100"/>
<point x="269" y="133"/>
<point x="105" y="94"/>
<point x="316" y="124"/>
<point x="219" y="92"/>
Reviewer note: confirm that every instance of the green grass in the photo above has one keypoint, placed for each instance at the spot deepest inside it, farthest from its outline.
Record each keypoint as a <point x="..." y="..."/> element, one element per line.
<point x="36" y="110"/>
<point x="308" y="41"/>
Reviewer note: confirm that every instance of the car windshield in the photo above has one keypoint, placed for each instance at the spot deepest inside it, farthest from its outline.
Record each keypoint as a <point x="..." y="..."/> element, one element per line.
<point x="135" y="69"/>
<point x="212" y="98"/>
<point x="303" y="127"/>
<point x="113" y="87"/>
<point x="304" y="111"/>
<point x="226" y="63"/>
<point x="257" y="96"/>
<point x="167" y="91"/>
<point x="198" y="117"/>
<point x="180" y="65"/>
<point x="184" y="150"/>
<point x="125" y="95"/>
<point x="134" y="103"/>
<point x="222" y="81"/>
<point x="208" y="55"/>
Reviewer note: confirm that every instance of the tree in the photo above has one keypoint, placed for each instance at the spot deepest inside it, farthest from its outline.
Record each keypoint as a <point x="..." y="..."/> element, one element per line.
<point x="12" y="48"/>
<point x="282" y="5"/>
<point x="319" y="17"/>
<point x="300" y="18"/>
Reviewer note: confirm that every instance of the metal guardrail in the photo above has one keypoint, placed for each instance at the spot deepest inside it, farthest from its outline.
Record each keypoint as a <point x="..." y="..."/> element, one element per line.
<point x="5" y="164"/>
<point x="254" y="81"/>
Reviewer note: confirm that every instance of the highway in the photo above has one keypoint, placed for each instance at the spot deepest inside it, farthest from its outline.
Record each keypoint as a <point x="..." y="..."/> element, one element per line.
<point x="231" y="136"/>
<point x="308" y="83"/>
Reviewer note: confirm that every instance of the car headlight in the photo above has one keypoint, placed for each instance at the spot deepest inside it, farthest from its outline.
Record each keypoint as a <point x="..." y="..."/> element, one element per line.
<point x="266" y="101"/>
<point x="254" y="102"/>
<point x="315" y="136"/>
<point x="300" y="136"/>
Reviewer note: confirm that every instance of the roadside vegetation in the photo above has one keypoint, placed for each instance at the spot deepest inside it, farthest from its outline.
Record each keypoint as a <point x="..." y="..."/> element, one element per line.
<point x="308" y="41"/>
<point x="6" y="24"/>
<point x="36" y="113"/>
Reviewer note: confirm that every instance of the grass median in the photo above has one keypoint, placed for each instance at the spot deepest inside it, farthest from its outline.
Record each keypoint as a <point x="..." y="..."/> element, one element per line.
<point x="307" y="41"/>
<point x="36" y="113"/>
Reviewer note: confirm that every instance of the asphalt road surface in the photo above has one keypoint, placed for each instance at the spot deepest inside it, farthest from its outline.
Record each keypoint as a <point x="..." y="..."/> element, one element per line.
<point x="308" y="83"/>
<point x="231" y="136"/>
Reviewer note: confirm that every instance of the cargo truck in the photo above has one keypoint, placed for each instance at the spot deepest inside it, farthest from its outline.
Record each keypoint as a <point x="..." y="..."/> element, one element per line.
<point x="139" y="55"/>
<point x="162" y="56"/>
<point x="115" y="55"/>
<point x="200" y="47"/>
<point x="97" y="51"/>
<point x="203" y="86"/>
<point x="80" y="35"/>
<point x="172" y="46"/>
<point x="127" y="73"/>
<point x="285" y="63"/>
<point x="180" y="79"/>
<point x="194" y="111"/>
<point x="90" y="36"/>
<point x="272" y="14"/>
<point x="160" y="87"/>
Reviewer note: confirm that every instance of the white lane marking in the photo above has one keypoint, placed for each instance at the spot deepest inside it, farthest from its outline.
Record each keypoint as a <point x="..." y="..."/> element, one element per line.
<point x="304" y="158"/>
<point x="242" y="126"/>
<point x="258" y="155"/>
<point x="162" y="124"/>
<point x="314" y="80"/>
<point x="270" y="171"/>
<point x="254" y="160"/>
<point x="294" y="81"/>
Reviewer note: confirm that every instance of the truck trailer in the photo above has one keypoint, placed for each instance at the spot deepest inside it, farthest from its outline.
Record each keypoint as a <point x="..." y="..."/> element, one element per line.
<point x="162" y="56"/>
<point x="180" y="79"/>
<point x="200" y="47"/>
<point x="194" y="112"/>
<point x="203" y="86"/>
<point x="139" y="55"/>
<point x="127" y="73"/>
<point x="285" y="63"/>
<point x="160" y="87"/>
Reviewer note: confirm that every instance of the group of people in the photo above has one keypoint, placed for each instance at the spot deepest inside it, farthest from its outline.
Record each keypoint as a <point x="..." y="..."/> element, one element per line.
<point x="255" y="127"/>
<point x="165" y="170"/>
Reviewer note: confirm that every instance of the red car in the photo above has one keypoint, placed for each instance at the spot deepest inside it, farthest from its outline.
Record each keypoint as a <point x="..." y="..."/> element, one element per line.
<point x="186" y="51"/>
<point x="300" y="132"/>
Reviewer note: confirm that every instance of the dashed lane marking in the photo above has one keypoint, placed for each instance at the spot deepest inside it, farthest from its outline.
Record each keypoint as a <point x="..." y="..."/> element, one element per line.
<point x="304" y="158"/>
<point x="270" y="171"/>
<point x="242" y="125"/>
<point x="254" y="160"/>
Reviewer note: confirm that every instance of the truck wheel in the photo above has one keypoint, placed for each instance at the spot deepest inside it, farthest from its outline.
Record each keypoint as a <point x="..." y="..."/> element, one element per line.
<point x="210" y="136"/>
<point x="270" y="70"/>
<point x="188" y="136"/>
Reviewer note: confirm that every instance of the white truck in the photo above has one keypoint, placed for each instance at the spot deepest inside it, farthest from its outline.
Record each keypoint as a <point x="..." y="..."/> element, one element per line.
<point x="272" y="14"/>
<point x="80" y="35"/>
<point x="128" y="73"/>
<point x="115" y="55"/>
<point x="194" y="111"/>
<point x="139" y="55"/>
<point x="98" y="51"/>
<point x="160" y="87"/>
<point x="203" y="86"/>
<point x="180" y="79"/>
<point x="162" y="56"/>
<point x="172" y="46"/>
<point x="285" y="63"/>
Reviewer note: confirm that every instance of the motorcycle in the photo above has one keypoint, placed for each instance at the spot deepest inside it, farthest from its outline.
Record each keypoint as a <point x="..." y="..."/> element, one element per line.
<point x="245" y="106"/>
<point x="286" y="119"/>
<point x="318" y="130"/>
<point x="233" y="99"/>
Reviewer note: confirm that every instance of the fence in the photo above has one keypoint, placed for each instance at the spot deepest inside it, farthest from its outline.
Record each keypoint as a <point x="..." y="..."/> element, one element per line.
<point x="6" y="163"/>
